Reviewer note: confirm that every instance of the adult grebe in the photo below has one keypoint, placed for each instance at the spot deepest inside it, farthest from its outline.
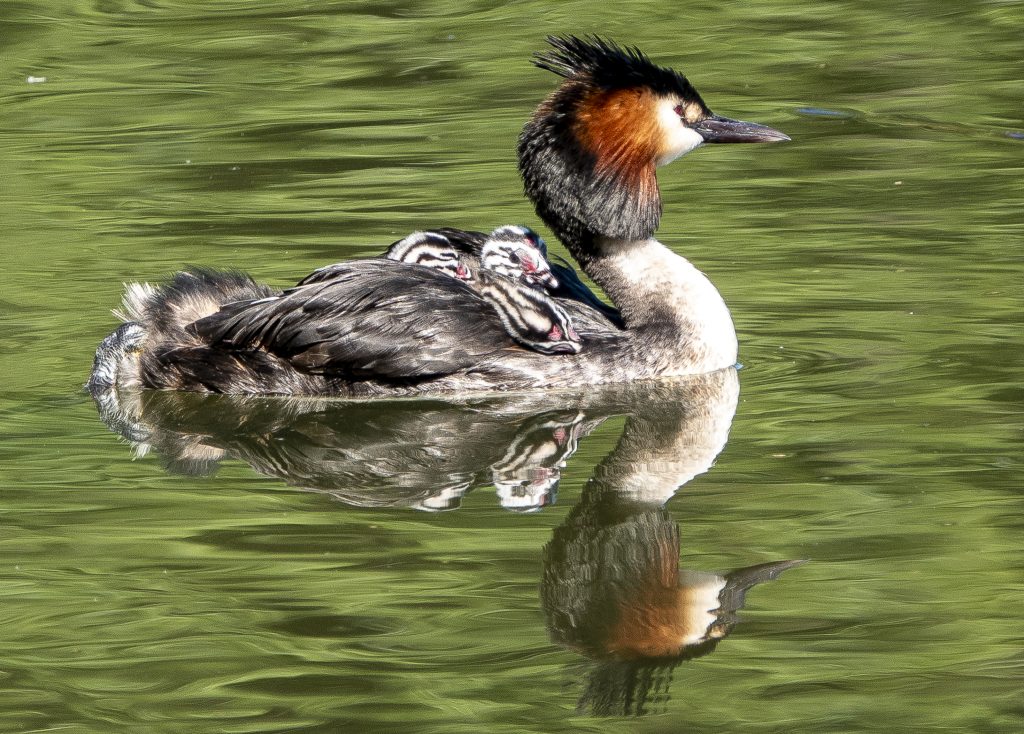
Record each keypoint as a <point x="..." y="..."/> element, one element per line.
<point x="379" y="327"/>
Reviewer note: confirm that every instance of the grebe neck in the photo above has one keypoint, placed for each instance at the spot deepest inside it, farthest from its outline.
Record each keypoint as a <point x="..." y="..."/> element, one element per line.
<point x="666" y="302"/>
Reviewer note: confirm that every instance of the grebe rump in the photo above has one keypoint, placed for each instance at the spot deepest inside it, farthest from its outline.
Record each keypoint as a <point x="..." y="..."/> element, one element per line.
<point x="384" y="327"/>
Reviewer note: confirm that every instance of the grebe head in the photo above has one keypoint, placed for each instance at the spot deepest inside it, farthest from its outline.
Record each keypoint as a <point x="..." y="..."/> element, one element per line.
<point x="532" y="238"/>
<point x="431" y="250"/>
<point x="518" y="253"/>
<point x="588" y="155"/>
<point x="529" y="316"/>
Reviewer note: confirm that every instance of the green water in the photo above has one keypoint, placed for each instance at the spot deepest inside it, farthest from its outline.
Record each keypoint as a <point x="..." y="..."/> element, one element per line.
<point x="253" y="566"/>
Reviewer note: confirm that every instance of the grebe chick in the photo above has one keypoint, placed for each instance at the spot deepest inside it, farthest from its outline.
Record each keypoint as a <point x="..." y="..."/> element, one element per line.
<point x="515" y="251"/>
<point x="510" y="262"/>
<point x="428" y="249"/>
<point x="512" y="273"/>
<point x="588" y="159"/>
<point x="590" y="313"/>
<point x="519" y="254"/>
<point x="431" y="250"/>
<point x="510" y="250"/>
<point x="529" y="316"/>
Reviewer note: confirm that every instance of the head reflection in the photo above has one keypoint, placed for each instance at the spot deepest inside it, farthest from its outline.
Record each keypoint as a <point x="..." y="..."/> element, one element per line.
<point x="613" y="591"/>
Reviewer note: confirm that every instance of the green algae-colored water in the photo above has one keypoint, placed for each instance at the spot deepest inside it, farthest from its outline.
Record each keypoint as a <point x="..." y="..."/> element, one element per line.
<point x="218" y="565"/>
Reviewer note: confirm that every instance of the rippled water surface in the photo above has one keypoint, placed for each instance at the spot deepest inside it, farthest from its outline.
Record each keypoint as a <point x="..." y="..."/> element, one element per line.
<point x="224" y="565"/>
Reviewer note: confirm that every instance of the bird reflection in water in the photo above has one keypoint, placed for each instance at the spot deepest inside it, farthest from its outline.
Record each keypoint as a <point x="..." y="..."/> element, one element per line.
<point x="612" y="588"/>
<point x="417" y="453"/>
<point x="613" y="591"/>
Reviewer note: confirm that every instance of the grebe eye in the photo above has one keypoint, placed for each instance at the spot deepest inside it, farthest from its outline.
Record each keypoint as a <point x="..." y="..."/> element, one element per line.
<point x="514" y="258"/>
<point x="678" y="109"/>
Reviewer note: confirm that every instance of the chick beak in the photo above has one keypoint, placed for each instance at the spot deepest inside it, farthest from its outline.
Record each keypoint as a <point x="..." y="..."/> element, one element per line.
<point x="715" y="129"/>
<point x="547" y="280"/>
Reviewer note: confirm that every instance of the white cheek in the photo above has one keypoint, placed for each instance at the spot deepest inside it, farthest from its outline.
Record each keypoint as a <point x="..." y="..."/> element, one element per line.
<point x="677" y="139"/>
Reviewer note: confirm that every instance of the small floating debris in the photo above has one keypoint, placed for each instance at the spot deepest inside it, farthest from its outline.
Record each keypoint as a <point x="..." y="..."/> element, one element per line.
<point x="35" y="79"/>
<point x="1015" y="134"/>
<point x="824" y="112"/>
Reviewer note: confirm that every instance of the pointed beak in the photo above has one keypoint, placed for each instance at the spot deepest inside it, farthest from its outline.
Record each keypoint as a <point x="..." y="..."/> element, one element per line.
<point x="717" y="129"/>
<point x="547" y="280"/>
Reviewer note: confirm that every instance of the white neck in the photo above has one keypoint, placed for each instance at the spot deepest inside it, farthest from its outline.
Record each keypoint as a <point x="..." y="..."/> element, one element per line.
<point x="668" y="302"/>
<point x="651" y="472"/>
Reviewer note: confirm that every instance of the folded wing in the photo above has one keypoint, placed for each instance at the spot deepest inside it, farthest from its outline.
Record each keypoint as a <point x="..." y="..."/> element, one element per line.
<point x="366" y="319"/>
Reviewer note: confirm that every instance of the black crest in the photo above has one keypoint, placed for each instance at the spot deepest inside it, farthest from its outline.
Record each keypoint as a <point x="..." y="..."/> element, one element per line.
<point x="610" y="66"/>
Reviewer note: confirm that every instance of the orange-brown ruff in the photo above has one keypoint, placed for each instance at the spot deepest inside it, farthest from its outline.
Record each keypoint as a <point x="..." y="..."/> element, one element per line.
<point x="378" y="327"/>
<point x="620" y="129"/>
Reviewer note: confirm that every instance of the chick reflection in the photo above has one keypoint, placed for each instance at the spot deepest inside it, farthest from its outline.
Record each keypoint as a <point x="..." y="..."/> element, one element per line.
<point x="422" y="454"/>
<point x="527" y="475"/>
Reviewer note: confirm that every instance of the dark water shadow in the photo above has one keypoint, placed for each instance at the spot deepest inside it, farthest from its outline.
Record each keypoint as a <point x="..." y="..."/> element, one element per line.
<point x="612" y="588"/>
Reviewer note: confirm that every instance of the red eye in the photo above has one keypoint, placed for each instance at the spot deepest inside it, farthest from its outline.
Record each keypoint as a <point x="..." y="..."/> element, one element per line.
<point x="678" y="109"/>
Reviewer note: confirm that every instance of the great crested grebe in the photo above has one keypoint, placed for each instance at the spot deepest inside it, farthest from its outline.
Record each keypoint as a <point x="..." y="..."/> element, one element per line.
<point x="379" y="327"/>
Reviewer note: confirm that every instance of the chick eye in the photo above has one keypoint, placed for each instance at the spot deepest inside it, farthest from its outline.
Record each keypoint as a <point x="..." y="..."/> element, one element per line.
<point x="514" y="258"/>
